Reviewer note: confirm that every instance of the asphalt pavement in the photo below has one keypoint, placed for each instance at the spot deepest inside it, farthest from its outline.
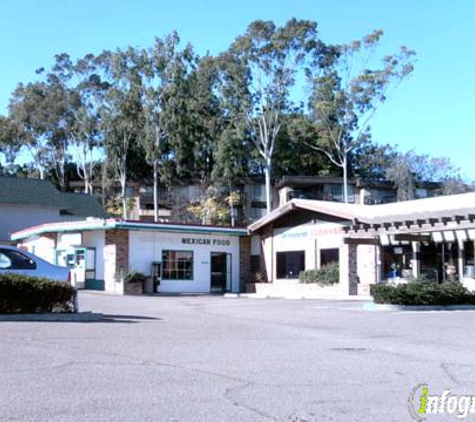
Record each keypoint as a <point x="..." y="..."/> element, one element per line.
<point x="208" y="358"/>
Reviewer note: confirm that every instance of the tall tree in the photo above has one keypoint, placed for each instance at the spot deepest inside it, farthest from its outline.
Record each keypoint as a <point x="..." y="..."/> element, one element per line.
<point x="291" y="154"/>
<point x="406" y="171"/>
<point x="347" y="93"/>
<point x="84" y="131"/>
<point x="41" y="112"/>
<point x="28" y="112"/>
<point x="121" y="110"/>
<point x="9" y="142"/>
<point x="164" y="72"/>
<point x="370" y="160"/>
<point x="259" y="71"/>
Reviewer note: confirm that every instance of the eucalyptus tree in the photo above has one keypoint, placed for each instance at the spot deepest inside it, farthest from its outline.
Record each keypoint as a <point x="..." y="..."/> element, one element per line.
<point x="258" y="72"/>
<point x="407" y="170"/>
<point x="205" y="116"/>
<point x="9" y="142"/>
<point x="87" y="89"/>
<point x="164" y="72"/>
<point x="347" y="93"/>
<point x="41" y="114"/>
<point x="121" y="111"/>
<point x="59" y="120"/>
<point x="28" y="112"/>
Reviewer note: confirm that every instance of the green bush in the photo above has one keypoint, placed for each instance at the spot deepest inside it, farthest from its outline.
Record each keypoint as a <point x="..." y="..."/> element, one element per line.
<point x="23" y="294"/>
<point x="325" y="276"/>
<point x="423" y="292"/>
<point x="135" y="277"/>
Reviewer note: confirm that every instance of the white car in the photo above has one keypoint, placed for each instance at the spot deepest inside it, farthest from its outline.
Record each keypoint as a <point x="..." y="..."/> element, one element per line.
<point x="17" y="261"/>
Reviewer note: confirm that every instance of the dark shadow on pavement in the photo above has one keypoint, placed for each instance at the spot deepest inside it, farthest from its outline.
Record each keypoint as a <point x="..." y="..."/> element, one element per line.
<point x="79" y="317"/>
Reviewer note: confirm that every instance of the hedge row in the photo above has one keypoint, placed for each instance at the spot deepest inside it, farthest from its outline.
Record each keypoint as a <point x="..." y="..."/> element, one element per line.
<point x="325" y="276"/>
<point x="422" y="292"/>
<point x="23" y="294"/>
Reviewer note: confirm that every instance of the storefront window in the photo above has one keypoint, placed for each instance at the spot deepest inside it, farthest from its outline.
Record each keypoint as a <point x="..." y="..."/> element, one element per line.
<point x="289" y="264"/>
<point x="328" y="256"/>
<point x="177" y="265"/>
<point x="469" y="259"/>
<point x="397" y="261"/>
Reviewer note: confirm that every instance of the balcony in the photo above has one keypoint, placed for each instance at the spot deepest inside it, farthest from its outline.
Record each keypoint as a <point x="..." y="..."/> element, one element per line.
<point x="146" y="200"/>
<point x="319" y="196"/>
<point x="371" y="200"/>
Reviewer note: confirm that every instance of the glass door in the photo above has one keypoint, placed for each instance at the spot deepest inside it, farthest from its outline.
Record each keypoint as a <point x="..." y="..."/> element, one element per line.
<point x="221" y="272"/>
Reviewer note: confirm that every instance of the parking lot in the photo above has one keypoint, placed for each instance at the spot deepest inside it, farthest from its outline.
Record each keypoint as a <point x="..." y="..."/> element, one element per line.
<point x="208" y="358"/>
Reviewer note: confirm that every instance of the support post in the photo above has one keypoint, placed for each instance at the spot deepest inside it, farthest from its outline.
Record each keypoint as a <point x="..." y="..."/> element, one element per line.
<point x="461" y="261"/>
<point x="349" y="269"/>
<point x="416" y="262"/>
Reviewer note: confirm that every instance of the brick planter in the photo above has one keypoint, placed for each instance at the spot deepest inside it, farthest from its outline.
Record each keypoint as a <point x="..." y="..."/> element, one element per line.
<point x="133" y="288"/>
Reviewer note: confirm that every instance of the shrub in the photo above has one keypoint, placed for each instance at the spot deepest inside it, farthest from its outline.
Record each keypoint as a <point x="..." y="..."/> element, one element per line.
<point x="325" y="276"/>
<point x="135" y="277"/>
<point x="423" y="292"/>
<point x="24" y="294"/>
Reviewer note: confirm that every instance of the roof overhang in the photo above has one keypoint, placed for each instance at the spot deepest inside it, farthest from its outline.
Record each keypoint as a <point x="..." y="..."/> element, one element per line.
<point x="110" y="224"/>
<point x="347" y="212"/>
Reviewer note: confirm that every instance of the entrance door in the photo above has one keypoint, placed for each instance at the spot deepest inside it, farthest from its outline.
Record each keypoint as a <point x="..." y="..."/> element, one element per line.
<point x="220" y="272"/>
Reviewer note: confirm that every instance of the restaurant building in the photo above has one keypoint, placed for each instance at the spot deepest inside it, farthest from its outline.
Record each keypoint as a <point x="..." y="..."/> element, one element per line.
<point x="175" y="258"/>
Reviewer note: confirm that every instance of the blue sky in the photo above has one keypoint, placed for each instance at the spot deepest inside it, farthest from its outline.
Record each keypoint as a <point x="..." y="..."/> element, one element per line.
<point x="432" y="112"/>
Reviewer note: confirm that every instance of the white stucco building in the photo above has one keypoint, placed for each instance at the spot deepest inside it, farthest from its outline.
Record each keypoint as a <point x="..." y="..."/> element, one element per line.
<point x="176" y="258"/>
<point x="431" y="237"/>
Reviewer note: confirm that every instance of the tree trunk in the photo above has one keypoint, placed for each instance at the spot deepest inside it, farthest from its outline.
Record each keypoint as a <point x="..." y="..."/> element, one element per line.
<point x="155" y="191"/>
<point x="124" y="199"/>
<point x="231" y="205"/>
<point x="267" y="172"/>
<point x="345" y="181"/>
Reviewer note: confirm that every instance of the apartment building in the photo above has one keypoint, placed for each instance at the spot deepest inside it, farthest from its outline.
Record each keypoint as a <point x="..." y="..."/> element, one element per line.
<point x="174" y="201"/>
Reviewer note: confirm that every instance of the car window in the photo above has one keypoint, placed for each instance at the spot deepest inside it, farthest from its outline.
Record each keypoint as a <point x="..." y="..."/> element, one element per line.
<point x="5" y="262"/>
<point x="14" y="260"/>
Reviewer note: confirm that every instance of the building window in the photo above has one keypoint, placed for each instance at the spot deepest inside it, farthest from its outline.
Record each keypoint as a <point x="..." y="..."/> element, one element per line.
<point x="421" y="193"/>
<point x="469" y="259"/>
<point x="257" y="213"/>
<point x="397" y="261"/>
<point x="328" y="256"/>
<point x="334" y="192"/>
<point x="177" y="265"/>
<point x="259" y="193"/>
<point x="289" y="264"/>
<point x="129" y="192"/>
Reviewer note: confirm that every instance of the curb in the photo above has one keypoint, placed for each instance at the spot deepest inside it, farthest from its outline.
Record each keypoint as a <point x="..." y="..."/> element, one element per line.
<point x="371" y="306"/>
<point x="303" y="297"/>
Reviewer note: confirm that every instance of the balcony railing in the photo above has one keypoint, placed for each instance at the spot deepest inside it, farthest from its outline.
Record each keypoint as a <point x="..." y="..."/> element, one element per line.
<point x="146" y="199"/>
<point x="370" y="200"/>
<point x="319" y="196"/>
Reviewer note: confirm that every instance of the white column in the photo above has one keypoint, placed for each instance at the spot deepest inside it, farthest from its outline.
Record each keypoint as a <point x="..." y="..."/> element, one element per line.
<point x="461" y="262"/>
<point x="415" y="261"/>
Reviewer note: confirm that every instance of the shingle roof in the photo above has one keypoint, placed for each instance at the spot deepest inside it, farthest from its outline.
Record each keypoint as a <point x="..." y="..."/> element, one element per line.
<point x="35" y="192"/>
<point x="20" y="191"/>
<point x="83" y="205"/>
